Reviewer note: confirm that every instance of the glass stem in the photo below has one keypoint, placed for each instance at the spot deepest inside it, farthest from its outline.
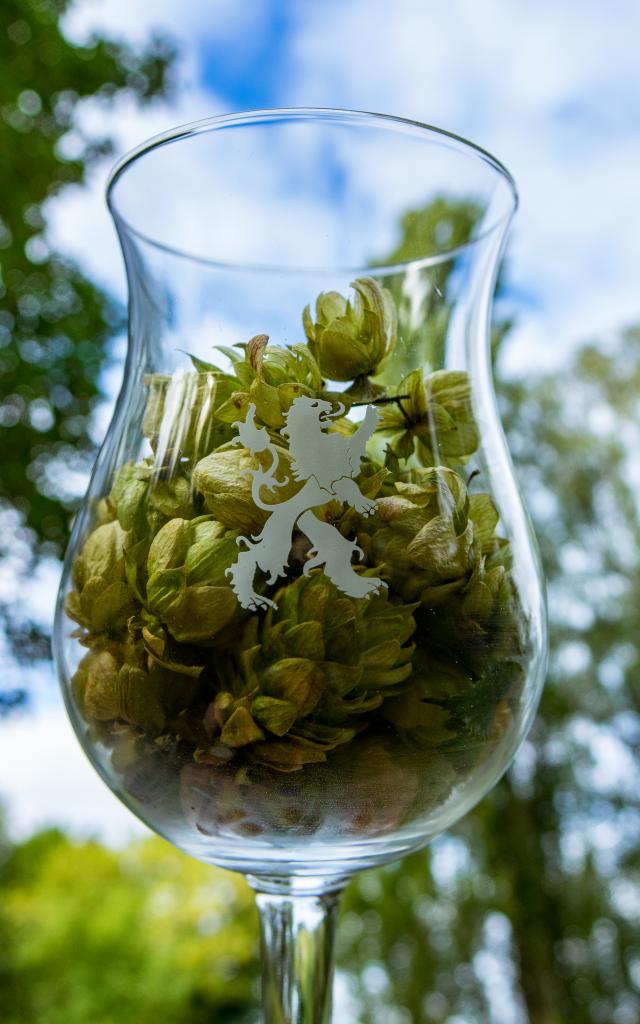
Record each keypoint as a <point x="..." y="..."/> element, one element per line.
<point x="297" y="933"/>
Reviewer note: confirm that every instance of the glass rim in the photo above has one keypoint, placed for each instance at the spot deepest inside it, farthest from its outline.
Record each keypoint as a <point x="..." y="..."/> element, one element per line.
<point x="268" y="114"/>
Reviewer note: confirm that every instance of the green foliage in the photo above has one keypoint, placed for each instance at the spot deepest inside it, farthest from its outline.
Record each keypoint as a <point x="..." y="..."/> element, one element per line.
<point x="145" y="935"/>
<point x="442" y="226"/>
<point x="420" y="937"/>
<point x="550" y="859"/>
<point x="55" y="324"/>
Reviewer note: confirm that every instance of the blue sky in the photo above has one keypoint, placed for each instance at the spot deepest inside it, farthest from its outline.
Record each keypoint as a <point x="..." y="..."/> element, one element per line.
<point x="250" y="70"/>
<point x="552" y="88"/>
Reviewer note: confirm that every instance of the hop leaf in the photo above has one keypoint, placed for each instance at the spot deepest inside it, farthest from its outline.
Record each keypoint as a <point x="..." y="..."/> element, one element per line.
<point x="473" y="713"/>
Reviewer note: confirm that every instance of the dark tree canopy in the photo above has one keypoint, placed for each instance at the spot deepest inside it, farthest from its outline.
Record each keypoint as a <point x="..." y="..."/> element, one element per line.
<point x="543" y="886"/>
<point x="54" y="322"/>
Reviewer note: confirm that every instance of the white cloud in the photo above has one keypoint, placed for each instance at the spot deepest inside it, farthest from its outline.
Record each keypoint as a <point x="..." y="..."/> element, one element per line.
<point x="78" y="220"/>
<point x="537" y="84"/>
<point x="526" y="82"/>
<point x="79" y="223"/>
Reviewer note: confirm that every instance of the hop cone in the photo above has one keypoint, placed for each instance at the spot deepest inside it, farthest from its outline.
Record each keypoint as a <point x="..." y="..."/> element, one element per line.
<point x="118" y="683"/>
<point x="102" y="599"/>
<point x="269" y="377"/>
<point x="350" y="339"/>
<point x="186" y="590"/>
<point x="434" y="541"/>
<point x="422" y="535"/>
<point x="434" y="417"/>
<point x="311" y="672"/>
<point x="224" y="480"/>
<point x="169" y="581"/>
<point x="437" y="545"/>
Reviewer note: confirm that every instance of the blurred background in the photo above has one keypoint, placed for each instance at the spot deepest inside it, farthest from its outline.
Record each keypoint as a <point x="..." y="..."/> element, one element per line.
<point x="528" y="911"/>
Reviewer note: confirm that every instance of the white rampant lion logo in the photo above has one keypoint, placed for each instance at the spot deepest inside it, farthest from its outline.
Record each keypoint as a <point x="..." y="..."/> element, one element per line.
<point x="327" y="463"/>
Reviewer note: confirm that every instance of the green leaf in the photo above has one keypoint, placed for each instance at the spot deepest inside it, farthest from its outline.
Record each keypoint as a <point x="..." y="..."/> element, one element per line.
<point x="473" y="713"/>
<point x="201" y="366"/>
<point x="233" y="354"/>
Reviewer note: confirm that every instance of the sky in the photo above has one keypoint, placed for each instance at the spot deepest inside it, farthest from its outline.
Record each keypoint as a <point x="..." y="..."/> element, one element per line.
<point x="552" y="89"/>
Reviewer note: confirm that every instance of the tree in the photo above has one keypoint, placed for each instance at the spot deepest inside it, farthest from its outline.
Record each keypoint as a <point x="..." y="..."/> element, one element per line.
<point x="542" y="882"/>
<point x="55" y="324"/>
<point x="136" y="936"/>
<point x="442" y="226"/>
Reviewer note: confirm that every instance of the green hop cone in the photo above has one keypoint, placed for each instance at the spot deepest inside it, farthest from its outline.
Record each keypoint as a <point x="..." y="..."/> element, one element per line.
<point x="437" y="545"/>
<point x="273" y="363"/>
<point x="181" y="418"/>
<point x="422" y="536"/>
<point x="270" y="378"/>
<point x="187" y="591"/>
<point x="309" y="674"/>
<point x="102" y="600"/>
<point x="482" y="619"/>
<point x="224" y="479"/>
<point x="192" y="415"/>
<point x="117" y="683"/>
<point x="350" y="339"/>
<point x="144" y="500"/>
<point x="434" y="417"/>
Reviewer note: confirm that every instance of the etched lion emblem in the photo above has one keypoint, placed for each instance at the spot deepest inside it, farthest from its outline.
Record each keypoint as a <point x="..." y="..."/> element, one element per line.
<point x="327" y="463"/>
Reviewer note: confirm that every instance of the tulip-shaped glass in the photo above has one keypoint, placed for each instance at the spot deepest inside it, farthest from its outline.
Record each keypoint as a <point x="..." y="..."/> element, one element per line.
<point x="301" y="628"/>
